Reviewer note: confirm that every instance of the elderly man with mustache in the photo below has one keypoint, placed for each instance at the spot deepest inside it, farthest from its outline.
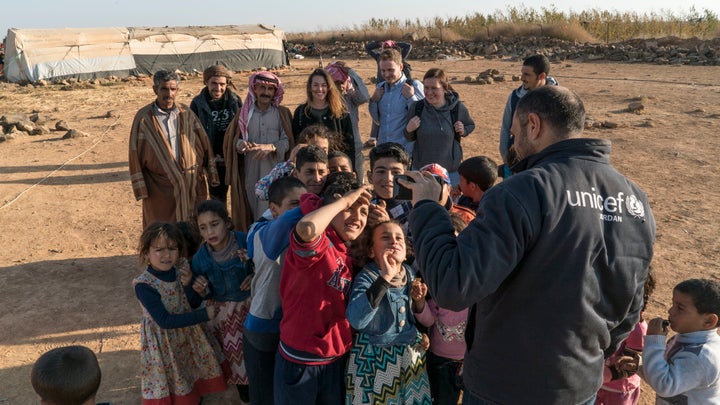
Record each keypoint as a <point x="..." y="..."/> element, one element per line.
<point x="169" y="156"/>
<point x="257" y="139"/>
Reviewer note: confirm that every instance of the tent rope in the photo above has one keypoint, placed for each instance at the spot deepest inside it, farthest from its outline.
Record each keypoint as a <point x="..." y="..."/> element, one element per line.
<point x="102" y="136"/>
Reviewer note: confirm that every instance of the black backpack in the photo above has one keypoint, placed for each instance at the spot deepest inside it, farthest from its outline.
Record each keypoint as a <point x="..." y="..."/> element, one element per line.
<point x="407" y="70"/>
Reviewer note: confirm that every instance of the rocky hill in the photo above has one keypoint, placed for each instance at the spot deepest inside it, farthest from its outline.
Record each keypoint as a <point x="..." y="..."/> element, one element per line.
<point x="664" y="51"/>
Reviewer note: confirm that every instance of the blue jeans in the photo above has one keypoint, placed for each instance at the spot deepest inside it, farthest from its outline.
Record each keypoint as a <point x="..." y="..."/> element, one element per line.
<point x="469" y="399"/>
<point x="302" y="384"/>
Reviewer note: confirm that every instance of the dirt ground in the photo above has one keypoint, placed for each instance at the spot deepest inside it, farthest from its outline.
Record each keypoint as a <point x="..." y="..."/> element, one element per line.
<point x="69" y="223"/>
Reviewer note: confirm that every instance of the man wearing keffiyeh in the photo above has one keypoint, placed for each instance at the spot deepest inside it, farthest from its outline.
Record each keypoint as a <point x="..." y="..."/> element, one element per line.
<point x="257" y="139"/>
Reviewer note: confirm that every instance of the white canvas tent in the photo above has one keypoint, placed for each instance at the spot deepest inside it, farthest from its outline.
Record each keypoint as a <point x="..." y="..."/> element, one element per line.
<point x="34" y="54"/>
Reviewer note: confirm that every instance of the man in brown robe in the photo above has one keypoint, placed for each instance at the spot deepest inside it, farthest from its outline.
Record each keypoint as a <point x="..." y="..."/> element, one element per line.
<point x="169" y="153"/>
<point x="259" y="137"/>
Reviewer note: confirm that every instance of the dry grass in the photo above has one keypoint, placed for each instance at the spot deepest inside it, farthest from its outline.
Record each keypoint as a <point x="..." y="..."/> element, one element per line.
<point x="586" y="26"/>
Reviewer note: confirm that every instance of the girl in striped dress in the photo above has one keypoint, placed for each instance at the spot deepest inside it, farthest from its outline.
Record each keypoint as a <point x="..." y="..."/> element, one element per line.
<point x="386" y="363"/>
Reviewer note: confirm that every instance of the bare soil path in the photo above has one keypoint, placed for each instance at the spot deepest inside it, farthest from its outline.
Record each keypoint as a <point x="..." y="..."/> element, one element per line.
<point x="69" y="224"/>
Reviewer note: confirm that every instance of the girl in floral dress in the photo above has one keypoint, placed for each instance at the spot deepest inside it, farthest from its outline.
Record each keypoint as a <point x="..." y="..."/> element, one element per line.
<point x="178" y="363"/>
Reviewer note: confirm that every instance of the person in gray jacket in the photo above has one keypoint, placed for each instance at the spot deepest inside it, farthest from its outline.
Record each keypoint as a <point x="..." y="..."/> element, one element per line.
<point x="553" y="267"/>
<point x="436" y="124"/>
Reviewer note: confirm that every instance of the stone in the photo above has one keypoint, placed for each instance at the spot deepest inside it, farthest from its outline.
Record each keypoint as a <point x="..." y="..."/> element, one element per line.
<point x="515" y="78"/>
<point x="490" y="49"/>
<point x="648" y="123"/>
<point x="62" y="126"/>
<point x="610" y="124"/>
<point x="636" y="107"/>
<point x="40" y="130"/>
<point x="469" y="79"/>
<point x="74" y="133"/>
<point x="112" y="114"/>
<point x="40" y="119"/>
<point x="25" y="125"/>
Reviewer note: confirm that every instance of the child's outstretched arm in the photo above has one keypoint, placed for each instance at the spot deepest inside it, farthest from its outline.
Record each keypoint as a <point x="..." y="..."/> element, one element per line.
<point x="313" y="224"/>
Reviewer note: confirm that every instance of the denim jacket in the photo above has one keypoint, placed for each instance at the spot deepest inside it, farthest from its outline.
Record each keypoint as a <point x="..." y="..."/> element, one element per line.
<point x="225" y="278"/>
<point x="392" y="322"/>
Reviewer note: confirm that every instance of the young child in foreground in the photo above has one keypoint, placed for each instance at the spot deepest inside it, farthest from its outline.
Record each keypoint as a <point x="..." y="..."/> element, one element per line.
<point x="67" y="375"/>
<point x="178" y="363"/>
<point x="315" y="335"/>
<point x="687" y="370"/>
<point x="386" y="364"/>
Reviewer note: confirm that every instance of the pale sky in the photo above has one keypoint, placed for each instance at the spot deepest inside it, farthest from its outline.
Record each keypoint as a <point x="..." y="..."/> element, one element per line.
<point x="288" y="15"/>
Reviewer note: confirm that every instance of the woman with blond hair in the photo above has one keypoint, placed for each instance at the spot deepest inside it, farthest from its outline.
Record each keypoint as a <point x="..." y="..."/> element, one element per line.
<point x="325" y="106"/>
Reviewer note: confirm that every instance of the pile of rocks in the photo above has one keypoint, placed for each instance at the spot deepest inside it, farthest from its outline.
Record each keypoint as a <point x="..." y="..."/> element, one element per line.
<point x="77" y="84"/>
<point x="489" y="76"/>
<point x="665" y="51"/>
<point x="33" y="124"/>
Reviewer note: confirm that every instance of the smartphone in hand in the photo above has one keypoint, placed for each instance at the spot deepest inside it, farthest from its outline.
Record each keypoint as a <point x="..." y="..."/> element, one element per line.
<point x="404" y="193"/>
<point x="400" y="192"/>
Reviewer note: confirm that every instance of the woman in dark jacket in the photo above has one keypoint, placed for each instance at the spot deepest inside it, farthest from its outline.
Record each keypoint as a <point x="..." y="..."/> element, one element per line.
<point x="437" y="125"/>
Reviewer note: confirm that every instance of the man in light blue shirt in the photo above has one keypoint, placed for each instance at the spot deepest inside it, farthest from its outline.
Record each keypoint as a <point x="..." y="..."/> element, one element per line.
<point x="392" y="98"/>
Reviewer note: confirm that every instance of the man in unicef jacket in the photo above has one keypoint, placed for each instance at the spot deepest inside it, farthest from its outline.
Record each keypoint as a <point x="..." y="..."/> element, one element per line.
<point x="553" y="267"/>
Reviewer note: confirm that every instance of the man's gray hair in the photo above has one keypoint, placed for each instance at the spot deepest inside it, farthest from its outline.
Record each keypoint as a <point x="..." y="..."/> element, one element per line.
<point x="162" y="76"/>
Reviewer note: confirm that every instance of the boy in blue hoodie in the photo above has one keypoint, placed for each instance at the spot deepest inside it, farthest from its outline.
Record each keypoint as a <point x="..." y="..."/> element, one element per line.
<point x="267" y="242"/>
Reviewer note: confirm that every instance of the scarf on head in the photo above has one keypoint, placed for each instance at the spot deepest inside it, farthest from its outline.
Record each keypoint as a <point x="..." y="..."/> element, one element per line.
<point x="338" y="72"/>
<point x="249" y="104"/>
<point x="220" y="71"/>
